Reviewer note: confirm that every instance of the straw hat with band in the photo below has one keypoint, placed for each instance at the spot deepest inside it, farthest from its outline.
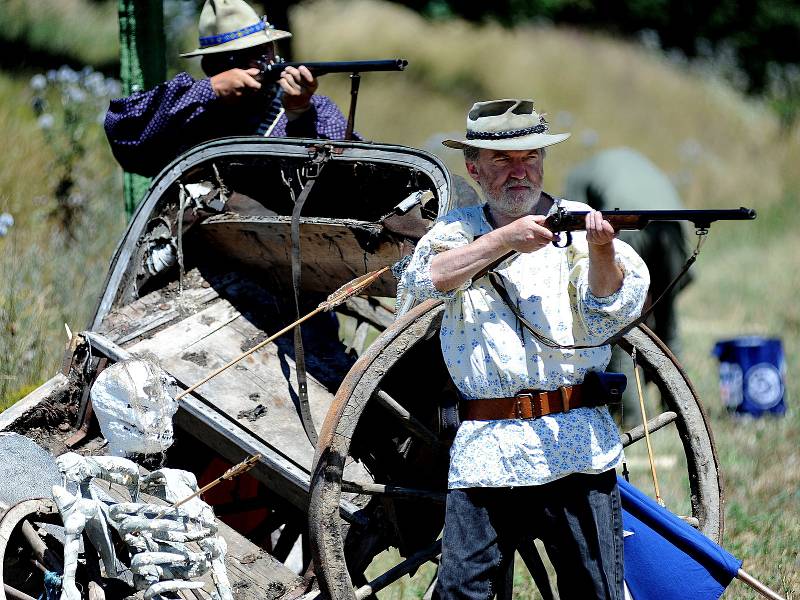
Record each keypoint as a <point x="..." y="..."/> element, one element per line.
<point x="509" y="124"/>
<point x="230" y="25"/>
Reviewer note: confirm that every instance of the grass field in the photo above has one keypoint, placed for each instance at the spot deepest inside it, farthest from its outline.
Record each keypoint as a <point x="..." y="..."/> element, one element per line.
<point x="721" y="149"/>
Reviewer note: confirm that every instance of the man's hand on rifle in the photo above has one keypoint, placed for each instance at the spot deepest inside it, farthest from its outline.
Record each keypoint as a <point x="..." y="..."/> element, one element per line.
<point x="526" y="234"/>
<point x="598" y="231"/>
<point x="230" y="86"/>
<point x="298" y="86"/>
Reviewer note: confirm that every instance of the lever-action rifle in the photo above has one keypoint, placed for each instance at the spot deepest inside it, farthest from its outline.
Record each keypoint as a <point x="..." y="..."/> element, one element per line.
<point x="270" y="73"/>
<point x="567" y="221"/>
<point x="564" y="220"/>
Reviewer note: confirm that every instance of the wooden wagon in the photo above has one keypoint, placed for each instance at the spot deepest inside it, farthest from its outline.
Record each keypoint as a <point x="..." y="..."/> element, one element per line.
<point x="204" y="272"/>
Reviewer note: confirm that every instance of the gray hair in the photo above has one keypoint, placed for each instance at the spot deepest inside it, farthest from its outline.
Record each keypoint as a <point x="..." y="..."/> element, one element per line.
<point x="471" y="153"/>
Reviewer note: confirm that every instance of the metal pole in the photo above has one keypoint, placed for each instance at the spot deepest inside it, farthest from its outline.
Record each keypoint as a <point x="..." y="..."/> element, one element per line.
<point x="142" y="66"/>
<point x="355" y="82"/>
<point x="758" y="586"/>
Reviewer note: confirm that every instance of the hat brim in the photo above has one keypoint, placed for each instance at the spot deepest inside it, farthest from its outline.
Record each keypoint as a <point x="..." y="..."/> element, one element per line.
<point x="254" y="39"/>
<point x="533" y="141"/>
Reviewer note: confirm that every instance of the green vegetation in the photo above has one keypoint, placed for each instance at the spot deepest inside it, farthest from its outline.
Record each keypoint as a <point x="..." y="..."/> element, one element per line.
<point x="78" y="31"/>
<point x="722" y="150"/>
<point x="62" y="187"/>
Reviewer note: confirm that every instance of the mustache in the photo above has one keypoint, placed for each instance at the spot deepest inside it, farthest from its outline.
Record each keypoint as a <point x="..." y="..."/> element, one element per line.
<point x="520" y="183"/>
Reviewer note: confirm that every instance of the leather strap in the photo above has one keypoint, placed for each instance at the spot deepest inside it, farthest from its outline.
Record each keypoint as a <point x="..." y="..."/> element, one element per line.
<point x="318" y="163"/>
<point x="497" y="282"/>
<point x="526" y="404"/>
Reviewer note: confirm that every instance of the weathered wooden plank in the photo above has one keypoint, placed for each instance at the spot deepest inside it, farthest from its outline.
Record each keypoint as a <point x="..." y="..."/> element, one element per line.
<point x="182" y="335"/>
<point x="134" y="320"/>
<point x="265" y="378"/>
<point x="334" y="251"/>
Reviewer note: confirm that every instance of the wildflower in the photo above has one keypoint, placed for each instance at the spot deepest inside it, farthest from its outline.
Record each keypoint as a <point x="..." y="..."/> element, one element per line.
<point x="75" y="94"/>
<point x="95" y="83"/>
<point x="67" y="75"/>
<point x="113" y="87"/>
<point x="38" y="82"/>
<point x="6" y="221"/>
<point x="46" y="121"/>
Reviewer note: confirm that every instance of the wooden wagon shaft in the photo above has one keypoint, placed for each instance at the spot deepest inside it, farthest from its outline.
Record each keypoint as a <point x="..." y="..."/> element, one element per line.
<point x="653" y="425"/>
<point x="399" y="570"/>
<point x="407" y="419"/>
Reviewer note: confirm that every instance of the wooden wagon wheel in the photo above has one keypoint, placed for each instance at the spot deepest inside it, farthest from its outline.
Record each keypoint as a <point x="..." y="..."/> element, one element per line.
<point x="384" y="419"/>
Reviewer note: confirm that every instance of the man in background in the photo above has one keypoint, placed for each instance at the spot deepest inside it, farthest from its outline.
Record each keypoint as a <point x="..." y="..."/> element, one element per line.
<point x="149" y="129"/>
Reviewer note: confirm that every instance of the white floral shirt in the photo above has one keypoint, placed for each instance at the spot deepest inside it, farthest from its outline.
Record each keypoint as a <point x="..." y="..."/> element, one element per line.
<point x="488" y="355"/>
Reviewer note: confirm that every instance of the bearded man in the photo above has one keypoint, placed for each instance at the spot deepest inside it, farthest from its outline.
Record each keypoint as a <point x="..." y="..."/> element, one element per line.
<point x="150" y="128"/>
<point x="535" y="453"/>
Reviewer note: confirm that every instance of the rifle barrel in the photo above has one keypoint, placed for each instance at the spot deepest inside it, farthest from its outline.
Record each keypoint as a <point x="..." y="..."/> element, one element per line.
<point x="272" y="72"/>
<point x="567" y="220"/>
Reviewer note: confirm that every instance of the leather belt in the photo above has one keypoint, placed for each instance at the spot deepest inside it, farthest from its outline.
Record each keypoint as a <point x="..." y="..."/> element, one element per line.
<point x="527" y="404"/>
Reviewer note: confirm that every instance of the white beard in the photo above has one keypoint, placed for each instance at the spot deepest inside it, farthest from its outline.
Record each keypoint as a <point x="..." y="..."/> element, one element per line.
<point x="514" y="204"/>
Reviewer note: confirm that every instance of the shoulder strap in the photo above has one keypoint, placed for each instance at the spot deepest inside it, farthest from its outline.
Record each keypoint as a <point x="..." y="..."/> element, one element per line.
<point x="499" y="285"/>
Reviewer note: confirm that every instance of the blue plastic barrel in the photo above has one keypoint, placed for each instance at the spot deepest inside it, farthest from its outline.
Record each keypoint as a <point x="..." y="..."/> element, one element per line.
<point x="752" y="375"/>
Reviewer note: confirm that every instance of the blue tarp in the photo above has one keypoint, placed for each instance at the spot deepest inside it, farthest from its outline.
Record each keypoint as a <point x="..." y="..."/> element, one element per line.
<point x="667" y="559"/>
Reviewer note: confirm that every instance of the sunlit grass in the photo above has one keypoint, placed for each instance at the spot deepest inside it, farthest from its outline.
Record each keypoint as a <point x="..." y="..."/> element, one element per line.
<point x="47" y="278"/>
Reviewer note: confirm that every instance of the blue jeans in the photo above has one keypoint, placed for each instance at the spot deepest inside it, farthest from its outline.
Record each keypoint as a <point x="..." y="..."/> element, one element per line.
<point x="578" y="518"/>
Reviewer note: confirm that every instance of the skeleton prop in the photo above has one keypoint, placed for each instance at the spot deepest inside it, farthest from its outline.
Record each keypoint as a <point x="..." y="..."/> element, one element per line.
<point x="167" y="547"/>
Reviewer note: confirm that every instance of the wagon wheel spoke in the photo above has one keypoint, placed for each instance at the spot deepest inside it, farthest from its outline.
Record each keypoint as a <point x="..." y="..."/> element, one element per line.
<point x="637" y="433"/>
<point x="391" y="490"/>
<point x="407" y="419"/>
<point x="404" y="568"/>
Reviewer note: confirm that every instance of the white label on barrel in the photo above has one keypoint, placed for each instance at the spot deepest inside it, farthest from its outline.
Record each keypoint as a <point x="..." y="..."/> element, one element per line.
<point x="764" y="386"/>
<point x="730" y="383"/>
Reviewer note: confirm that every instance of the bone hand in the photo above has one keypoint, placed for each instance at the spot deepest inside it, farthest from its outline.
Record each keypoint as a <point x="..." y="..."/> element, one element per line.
<point x="162" y="587"/>
<point x="82" y="469"/>
<point x="216" y="548"/>
<point x="74" y="522"/>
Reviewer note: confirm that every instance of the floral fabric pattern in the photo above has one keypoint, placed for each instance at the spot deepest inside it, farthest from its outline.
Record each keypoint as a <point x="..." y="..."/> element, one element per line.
<point x="489" y="355"/>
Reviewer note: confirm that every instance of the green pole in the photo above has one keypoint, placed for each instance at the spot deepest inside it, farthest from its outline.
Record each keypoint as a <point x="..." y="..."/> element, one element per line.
<point x="142" y="66"/>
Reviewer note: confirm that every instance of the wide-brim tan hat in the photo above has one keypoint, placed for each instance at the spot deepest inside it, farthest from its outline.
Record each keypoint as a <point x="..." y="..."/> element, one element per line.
<point x="509" y="124"/>
<point x="230" y="25"/>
